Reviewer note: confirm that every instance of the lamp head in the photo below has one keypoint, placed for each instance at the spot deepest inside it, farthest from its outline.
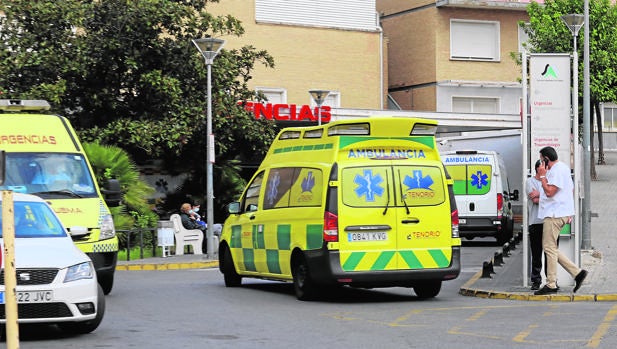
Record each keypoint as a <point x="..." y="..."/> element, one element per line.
<point x="574" y="22"/>
<point x="319" y="96"/>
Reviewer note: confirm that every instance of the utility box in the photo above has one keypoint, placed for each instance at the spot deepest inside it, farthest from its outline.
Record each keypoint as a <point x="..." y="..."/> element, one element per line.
<point x="165" y="236"/>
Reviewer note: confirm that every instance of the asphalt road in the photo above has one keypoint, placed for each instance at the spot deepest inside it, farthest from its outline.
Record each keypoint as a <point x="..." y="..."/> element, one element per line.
<point x="193" y="309"/>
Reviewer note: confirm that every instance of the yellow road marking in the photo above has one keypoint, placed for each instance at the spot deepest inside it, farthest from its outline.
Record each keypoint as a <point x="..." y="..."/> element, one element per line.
<point x="596" y="338"/>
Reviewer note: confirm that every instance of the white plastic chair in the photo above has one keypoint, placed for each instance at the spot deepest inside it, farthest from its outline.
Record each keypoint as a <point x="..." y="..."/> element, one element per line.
<point x="183" y="236"/>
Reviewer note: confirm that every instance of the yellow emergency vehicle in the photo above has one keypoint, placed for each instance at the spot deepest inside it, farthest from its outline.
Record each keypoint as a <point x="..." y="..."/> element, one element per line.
<point x="365" y="203"/>
<point x="44" y="157"/>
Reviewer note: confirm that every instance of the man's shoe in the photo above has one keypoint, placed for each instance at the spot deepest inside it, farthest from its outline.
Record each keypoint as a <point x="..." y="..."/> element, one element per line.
<point x="535" y="285"/>
<point x="578" y="280"/>
<point x="545" y="290"/>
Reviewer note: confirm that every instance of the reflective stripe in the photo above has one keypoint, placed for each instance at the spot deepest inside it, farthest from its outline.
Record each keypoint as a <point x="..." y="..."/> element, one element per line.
<point x="396" y="260"/>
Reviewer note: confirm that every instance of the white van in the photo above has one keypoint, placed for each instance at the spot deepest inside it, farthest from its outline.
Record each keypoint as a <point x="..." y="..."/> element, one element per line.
<point x="482" y="193"/>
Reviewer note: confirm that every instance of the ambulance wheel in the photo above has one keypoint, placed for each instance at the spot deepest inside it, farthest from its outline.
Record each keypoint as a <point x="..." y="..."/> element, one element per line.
<point x="106" y="280"/>
<point x="303" y="284"/>
<point x="428" y="289"/>
<point x="232" y="279"/>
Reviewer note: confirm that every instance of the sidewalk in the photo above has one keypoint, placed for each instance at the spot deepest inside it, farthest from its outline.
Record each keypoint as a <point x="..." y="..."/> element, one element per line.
<point x="600" y="260"/>
<point x="507" y="280"/>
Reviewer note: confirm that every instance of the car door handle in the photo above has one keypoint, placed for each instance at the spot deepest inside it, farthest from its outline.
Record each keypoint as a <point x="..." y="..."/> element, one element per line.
<point x="410" y="221"/>
<point x="252" y="217"/>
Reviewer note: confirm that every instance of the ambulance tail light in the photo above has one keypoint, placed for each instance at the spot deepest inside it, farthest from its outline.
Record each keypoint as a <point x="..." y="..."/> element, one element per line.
<point x="454" y="218"/>
<point x="499" y="205"/>
<point x="330" y="227"/>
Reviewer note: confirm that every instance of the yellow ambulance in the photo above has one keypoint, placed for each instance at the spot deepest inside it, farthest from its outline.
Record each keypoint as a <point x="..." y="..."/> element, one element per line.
<point x="365" y="203"/>
<point x="44" y="157"/>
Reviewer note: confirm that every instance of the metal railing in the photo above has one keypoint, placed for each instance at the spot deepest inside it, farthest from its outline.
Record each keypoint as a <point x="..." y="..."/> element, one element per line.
<point x="138" y="234"/>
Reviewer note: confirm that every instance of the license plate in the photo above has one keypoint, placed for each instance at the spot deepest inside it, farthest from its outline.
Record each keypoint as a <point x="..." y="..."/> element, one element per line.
<point x="367" y="236"/>
<point x="462" y="221"/>
<point x="30" y="297"/>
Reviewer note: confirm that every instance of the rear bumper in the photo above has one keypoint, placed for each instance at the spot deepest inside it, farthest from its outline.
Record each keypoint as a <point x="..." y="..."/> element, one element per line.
<point x="480" y="226"/>
<point x="325" y="268"/>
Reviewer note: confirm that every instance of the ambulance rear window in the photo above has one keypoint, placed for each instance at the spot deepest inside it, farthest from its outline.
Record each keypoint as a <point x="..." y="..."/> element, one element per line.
<point x="471" y="179"/>
<point x="400" y="185"/>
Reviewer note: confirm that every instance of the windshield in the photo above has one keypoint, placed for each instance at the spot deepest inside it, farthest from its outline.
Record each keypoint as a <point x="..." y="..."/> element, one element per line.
<point x="49" y="173"/>
<point x="34" y="220"/>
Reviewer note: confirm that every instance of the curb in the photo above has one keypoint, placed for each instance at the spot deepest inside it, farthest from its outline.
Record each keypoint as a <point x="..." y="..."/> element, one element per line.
<point x="468" y="290"/>
<point x="169" y="266"/>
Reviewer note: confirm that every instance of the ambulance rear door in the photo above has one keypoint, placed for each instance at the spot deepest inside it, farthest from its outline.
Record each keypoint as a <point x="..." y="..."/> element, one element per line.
<point x="367" y="216"/>
<point x="423" y="217"/>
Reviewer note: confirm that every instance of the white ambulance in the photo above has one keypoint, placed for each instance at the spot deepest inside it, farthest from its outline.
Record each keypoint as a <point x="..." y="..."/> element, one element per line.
<point x="482" y="193"/>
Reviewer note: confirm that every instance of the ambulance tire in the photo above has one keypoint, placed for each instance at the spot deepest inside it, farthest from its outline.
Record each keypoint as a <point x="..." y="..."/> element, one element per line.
<point x="304" y="286"/>
<point x="232" y="279"/>
<point x="428" y="289"/>
<point x="106" y="280"/>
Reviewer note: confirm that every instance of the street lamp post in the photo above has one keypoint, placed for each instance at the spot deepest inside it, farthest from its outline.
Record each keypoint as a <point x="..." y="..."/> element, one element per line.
<point x="574" y="22"/>
<point x="319" y="96"/>
<point x="209" y="48"/>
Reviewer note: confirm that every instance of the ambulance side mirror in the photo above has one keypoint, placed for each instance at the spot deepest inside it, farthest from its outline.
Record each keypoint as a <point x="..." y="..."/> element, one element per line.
<point x="233" y="208"/>
<point x="2" y="169"/>
<point x="112" y="193"/>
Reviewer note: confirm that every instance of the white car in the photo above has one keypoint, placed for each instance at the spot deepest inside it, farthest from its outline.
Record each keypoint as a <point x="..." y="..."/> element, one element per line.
<point x="56" y="282"/>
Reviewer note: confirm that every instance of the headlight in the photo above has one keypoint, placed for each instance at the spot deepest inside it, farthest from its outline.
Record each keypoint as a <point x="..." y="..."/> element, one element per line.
<point x="79" y="271"/>
<point x="107" y="228"/>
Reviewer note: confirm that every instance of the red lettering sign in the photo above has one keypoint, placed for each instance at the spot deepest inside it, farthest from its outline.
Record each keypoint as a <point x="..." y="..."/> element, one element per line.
<point x="27" y="139"/>
<point x="288" y="112"/>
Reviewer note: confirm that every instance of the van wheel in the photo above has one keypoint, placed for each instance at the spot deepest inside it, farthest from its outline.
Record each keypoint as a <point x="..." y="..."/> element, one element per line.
<point x="303" y="284"/>
<point x="232" y="279"/>
<point x="90" y="325"/>
<point x="428" y="289"/>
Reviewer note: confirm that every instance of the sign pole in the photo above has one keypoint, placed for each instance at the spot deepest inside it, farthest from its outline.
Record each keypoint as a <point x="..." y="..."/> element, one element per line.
<point x="10" y="279"/>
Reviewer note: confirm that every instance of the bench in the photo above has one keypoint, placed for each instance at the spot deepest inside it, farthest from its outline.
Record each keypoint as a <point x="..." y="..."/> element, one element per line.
<point x="183" y="236"/>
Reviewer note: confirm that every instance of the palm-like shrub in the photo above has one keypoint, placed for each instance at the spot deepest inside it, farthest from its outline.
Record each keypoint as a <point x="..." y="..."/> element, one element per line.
<point x="112" y="162"/>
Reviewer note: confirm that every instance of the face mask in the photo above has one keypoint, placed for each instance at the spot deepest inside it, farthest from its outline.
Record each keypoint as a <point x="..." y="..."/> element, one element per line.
<point x="196" y="209"/>
<point x="191" y="211"/>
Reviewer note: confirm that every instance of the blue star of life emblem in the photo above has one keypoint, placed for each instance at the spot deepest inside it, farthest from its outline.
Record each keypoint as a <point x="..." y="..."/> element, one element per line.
<point x="273" y="188"/>
<point x="308" y="182"/>
<point x="479" y="179"/>
<point x="418" y="181"/>
<point x="369" y="185"/>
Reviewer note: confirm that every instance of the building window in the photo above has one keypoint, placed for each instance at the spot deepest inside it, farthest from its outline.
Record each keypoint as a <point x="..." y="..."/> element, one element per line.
<point x="474" y="40"/>
<point x="333" y="100"/>
<point x="609" y="118"/>
<point x="478" y="105"/>
<point x="274" y="95"/>
<point x="523" y="38"/>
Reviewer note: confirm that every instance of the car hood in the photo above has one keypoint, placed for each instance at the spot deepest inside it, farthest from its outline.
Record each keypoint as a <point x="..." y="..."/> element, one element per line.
<point x="57" y="252"/>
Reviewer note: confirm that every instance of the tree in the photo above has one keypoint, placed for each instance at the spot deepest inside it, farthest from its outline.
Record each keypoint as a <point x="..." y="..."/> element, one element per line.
<point x="126" y="73"/>
<point x="547" y="33"/>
